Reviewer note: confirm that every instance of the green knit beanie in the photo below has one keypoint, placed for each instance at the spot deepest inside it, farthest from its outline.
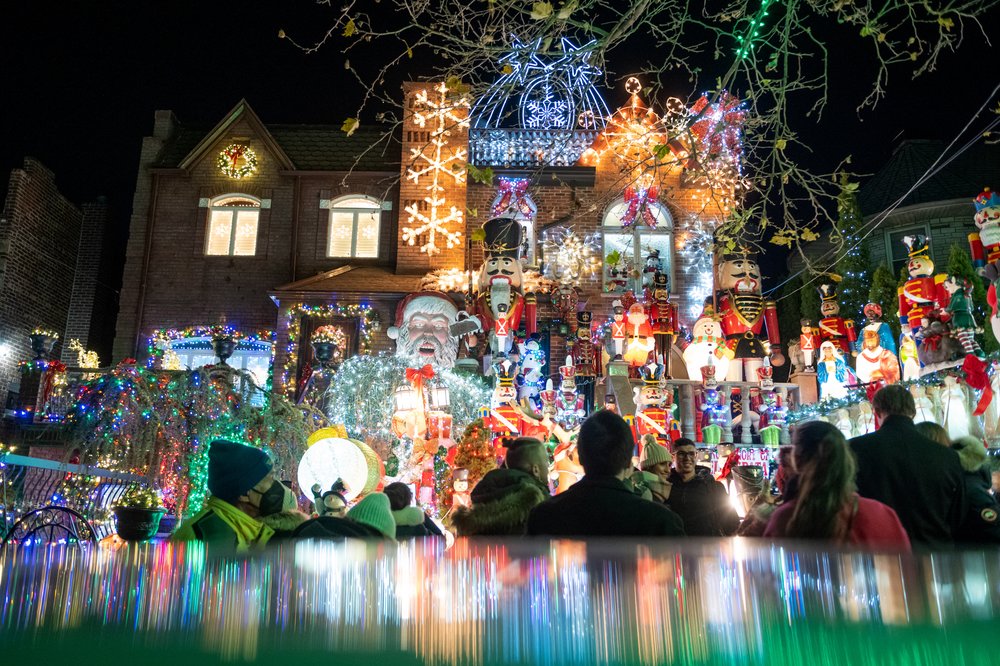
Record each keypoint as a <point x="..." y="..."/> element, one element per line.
<point x="233" y="469"/>
<point x="374" y="511"/>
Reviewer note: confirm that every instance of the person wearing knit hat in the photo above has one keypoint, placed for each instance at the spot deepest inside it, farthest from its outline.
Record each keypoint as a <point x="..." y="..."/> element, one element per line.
<point x="981" y="522"/>
<point x="243" y="491"/>
<point x="374" y="511"/>
<point x="656" y="459"/>
<point x="655" y="469"/>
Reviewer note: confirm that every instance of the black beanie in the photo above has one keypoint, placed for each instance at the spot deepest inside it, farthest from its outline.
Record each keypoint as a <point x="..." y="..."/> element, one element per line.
<point x="233" y="469"/>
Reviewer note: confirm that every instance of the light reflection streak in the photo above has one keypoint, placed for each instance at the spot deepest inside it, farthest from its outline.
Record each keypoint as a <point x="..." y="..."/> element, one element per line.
<point x="528" y="602"/>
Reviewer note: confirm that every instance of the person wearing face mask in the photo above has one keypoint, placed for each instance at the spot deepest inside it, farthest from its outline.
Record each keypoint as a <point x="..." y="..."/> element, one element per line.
<point x="243" y="494"/>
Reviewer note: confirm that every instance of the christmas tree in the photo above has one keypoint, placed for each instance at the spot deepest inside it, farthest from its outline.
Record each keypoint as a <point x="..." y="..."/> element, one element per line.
<point x="960" y="264"/>
<point x="852" y="292"/>
<point x="884" y="293"/>
<point x="475" y="453"/>
<point x="790" y="311"/>
<point x="809" y="300"/>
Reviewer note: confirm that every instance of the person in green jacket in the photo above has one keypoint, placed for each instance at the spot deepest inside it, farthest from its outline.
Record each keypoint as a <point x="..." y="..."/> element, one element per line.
<point x="243" y="493"/>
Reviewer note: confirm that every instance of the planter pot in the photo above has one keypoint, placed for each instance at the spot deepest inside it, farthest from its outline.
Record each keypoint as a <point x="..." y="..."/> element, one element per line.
<point x="324" y="352"/>
<point x="223" y="348"/>
<point x="167" y="525"/>
<point x="137" y="524"/>
<point x="42" y="346"/>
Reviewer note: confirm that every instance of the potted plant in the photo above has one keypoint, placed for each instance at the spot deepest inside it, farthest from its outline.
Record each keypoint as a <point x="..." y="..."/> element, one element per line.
<point x="42" y="342"/>
<point x="138" y="514"/>
<point x="326" y="342"/>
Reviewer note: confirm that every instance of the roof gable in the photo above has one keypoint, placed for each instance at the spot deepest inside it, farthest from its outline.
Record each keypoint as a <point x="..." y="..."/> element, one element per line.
<point x="241" y="111"/>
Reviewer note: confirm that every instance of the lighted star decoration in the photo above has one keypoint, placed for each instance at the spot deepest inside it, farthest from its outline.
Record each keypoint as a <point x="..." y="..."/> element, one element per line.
<point x="436" y="162"/>
<point x="716" y="149"/>
<point x="569" y="257"/>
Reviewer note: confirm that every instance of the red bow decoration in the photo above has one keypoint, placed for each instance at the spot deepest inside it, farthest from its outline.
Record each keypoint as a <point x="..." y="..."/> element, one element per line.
<point x="235" y="153"/>
<point x="976" y="377"/>
<point x="417" y="377"/>
<point x="512" y="193"/>
<point x="931" y="342"/>
<point x="717" y="126"/>
<point x="638" y="200"/>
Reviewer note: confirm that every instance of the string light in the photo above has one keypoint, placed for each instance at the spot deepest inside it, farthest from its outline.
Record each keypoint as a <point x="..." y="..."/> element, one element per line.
<point x="695" y="246"/>
<point x="237" y="161"/>
<point x="434" y="160"/>
<point x="368" y="321"/>
<point x="569" y="257"/>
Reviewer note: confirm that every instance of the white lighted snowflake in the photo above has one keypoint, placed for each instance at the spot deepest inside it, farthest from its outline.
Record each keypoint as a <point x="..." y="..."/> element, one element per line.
<point x="547" y="113"/>
<point x="435" y="160"/>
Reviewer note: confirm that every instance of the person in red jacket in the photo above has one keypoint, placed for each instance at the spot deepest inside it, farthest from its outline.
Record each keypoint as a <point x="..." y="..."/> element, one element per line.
<point x="828" y="506"/>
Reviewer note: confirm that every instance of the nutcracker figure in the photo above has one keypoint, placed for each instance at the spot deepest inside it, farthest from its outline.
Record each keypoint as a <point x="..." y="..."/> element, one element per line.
<point x="569" y="404"/>
<point x="583" y="353"/>
<point x="460" y="496"/>
<point x="808" y="343"/>
<point x="618" y="328"/>
<point x="922" y="294"/>
<point x="662" y="314"/>
<point x="745" y="315"/>
<point x="500" y="305"/>
<point x="711" y="404"/>
<point x="832" y="326"/>
<point x="651" y="418"/>
<point x="503" y="418"/>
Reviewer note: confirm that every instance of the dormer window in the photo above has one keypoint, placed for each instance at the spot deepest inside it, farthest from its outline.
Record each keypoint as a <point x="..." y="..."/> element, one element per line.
<point x="232" y="226"/>
<point x="355" y="225"/>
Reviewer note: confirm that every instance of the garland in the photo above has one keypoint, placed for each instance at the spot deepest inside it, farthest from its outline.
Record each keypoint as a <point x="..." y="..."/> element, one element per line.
<point x="159" y="341"/>
<point x="231" y="154"/>
<point x="368" y="322"/>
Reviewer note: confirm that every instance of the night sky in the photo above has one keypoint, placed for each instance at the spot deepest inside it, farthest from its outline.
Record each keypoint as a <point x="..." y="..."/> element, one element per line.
<point x="80" y="86"/>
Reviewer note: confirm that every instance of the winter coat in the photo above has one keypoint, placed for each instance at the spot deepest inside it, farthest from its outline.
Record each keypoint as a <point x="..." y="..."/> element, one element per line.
<point x="703" y="504"/>
<point x="501" y="502"/>
<point x="982" y="518"/>
<point x="284" y="524"/>
<point x="871" y="523"/>
<point x="916" y="477"/>
<point x="602" y="506"/>
<point x="331" y="527"/>
<point x="411" y="523"/>
<point x="219" y="523"/>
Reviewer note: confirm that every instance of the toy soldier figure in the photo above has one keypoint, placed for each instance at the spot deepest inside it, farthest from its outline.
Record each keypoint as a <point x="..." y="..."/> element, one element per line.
<point x="503" y="418"/>
<point x="808" y="343"/>
<point x="662" y="315"/>
<point x="651" y="418"/>
<point x="832" y="326"/>
<point x="922" y="294"/>
<point x="619" y="328"/>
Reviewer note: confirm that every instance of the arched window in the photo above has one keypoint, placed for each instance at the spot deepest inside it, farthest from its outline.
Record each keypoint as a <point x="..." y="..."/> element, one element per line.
<point x="355" y="223"/>
<point x="529" y="253"/>
<point x="232" y="226"/>
<point x="633" y="254"/>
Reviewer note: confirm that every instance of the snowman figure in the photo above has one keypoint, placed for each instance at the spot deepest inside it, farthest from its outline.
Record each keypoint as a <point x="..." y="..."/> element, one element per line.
<point x="707" y="341"/>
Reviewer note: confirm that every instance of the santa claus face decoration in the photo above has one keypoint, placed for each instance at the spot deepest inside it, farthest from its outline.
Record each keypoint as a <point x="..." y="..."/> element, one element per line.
<point x="422" y="335"/>
<point x="740" y="275"/>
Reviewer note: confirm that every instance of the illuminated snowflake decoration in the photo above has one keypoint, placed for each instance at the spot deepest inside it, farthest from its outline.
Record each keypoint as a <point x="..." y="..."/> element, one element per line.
<point x="570" y="258"/>
<point x="437" y="162"/>
<point x="546" y="113"/>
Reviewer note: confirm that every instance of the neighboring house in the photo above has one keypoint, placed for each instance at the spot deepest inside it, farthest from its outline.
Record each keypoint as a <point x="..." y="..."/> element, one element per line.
<point x="319" y="228"/>
<point x="940" y="208"/>
<point x="51" y="253"/>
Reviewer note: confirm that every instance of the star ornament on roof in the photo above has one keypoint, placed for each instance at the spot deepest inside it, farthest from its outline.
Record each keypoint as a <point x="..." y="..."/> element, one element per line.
<point x="434" y="162"/>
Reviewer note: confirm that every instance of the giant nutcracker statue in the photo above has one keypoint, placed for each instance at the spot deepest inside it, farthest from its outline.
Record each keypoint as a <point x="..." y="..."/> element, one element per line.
<point x="500" y="305"/>
<point x="923" y="294"/>
<point x="586" y="365"/>
<point x="985" y="247"/>
<point x="745" y="315"/>
<point x="651" y="417"/>
<point x="832" y="326"/>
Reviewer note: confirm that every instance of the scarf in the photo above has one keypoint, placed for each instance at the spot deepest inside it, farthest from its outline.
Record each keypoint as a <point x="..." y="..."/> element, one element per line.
<point x="250" y="532"/>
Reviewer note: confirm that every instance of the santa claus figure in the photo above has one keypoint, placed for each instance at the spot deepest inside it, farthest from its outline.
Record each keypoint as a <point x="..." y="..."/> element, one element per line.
<point x="922" y="294"/>
<point x="651" y="417"/>
<point x="832" y="372"/>
<point x="707" y="342"/>
<point x="641" y="341"/>
<point x="808" y="343"/>
<point x="832" y="326"/>
<point x="500" y="305"/>
<point x="985" y="247"/>
<point x="745" y="316"/>
<point x="875" y="363"/>
<point x="421" y="331"/>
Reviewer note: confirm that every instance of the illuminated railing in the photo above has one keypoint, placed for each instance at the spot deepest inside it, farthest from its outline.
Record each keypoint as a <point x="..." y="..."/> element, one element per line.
<point x="528" y="148"/>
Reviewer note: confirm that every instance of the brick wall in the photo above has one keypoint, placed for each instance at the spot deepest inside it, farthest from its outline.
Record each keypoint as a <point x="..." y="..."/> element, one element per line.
<point x="39" y="239"/>
<point x="90" y="298"/>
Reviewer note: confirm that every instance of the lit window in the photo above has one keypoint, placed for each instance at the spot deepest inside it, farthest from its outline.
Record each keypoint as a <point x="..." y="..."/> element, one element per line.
<point x="232" y="227"/>
<point x="633" y="255"/>
<point x="896" y="250"/>
<point x="354" y="228"/>
<point x="254" y="357"/>
<point x="526" y="219"/>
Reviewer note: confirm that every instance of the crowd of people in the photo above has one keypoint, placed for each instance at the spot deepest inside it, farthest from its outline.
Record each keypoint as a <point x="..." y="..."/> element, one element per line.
<point x="904" y="486"/>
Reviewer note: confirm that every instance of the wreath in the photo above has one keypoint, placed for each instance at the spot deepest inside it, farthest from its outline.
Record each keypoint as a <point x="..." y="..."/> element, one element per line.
<point x="230" y="157"/>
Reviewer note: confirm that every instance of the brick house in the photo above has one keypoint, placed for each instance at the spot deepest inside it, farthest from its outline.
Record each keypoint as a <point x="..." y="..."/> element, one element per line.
<point x="51" y="253"/>
<point x="324" y="227"/>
